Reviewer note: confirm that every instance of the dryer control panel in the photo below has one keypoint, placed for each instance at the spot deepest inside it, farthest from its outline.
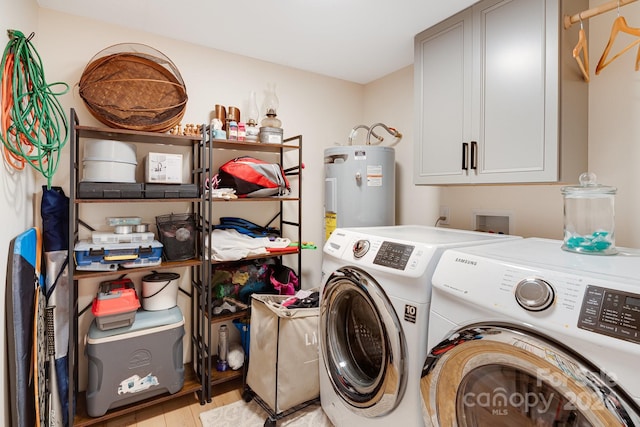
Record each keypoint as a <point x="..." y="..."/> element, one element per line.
<point x="611" y="312"/>
<point x="393" y="255"/>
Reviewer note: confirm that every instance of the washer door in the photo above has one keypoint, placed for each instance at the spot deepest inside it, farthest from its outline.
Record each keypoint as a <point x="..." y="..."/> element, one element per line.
<point x="503" y="376"/>
<point x="362" y="343"/>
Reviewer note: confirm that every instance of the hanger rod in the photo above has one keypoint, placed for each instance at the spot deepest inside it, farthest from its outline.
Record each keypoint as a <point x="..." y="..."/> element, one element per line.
<point x="598" y="10"/>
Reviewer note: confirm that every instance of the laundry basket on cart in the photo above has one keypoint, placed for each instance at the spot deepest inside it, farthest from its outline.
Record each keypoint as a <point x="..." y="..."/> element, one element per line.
<point x="283" y="358"/>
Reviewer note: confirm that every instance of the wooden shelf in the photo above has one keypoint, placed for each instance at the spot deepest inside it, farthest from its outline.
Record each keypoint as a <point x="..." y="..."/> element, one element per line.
<point x="240" y="314"/>
<point x="189" y="200"/>
<point x="80" y="275"/>
<point x="253" y="146"/>
<point x="294" y="250"/>
<point x="166" y="265"/>
<point x="140" y="200"/>
<point x="218" y="377"/>
<point x="136" y="136"/>
<point x="191" y="385"/>
<point x="257" y="199"/>
<point x="167" y="138"/>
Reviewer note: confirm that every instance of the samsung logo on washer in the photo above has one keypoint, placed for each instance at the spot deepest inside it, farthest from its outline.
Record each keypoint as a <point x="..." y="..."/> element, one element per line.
<point x="466" y="261"/>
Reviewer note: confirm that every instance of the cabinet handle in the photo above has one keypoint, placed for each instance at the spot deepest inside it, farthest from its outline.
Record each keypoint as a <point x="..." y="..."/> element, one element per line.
<point x="465" y="151"/>
<point x="474" y="155"/>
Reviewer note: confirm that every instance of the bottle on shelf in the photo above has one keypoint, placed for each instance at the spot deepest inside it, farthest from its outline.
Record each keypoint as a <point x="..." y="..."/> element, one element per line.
<point x="233" y="130"/>
<point x="223" y="348"/>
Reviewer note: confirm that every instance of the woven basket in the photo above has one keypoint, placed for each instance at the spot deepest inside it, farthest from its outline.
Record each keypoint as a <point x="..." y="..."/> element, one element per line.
<point x="133" y="86"/>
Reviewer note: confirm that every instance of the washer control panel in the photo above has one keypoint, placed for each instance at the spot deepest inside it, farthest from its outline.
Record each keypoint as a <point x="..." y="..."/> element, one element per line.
<point x="393" y="255"/>
<point x="611" y="312"/>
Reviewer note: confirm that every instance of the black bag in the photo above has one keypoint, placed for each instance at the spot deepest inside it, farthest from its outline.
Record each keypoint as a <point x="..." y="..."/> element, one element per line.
<point x="251" y="177"/>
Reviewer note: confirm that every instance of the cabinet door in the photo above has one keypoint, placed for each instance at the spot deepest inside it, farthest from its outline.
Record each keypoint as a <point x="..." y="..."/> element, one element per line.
<point x="513" y="94"/>
<point x="443" y="100"/>
<point x="487" y="97"/>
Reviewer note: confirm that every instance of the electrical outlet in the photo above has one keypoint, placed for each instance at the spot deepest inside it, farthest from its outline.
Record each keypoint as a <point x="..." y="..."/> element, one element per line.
<point x="444" y="213"/>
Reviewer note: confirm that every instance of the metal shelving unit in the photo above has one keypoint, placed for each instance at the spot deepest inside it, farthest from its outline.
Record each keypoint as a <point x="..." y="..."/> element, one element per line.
<point x="200" y="374"/>
<point x="208" y="166"/>
<point x="194" y="380"/>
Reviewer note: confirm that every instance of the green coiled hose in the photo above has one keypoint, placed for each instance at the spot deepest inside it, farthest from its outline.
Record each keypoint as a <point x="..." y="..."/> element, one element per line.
<point x="33" y="125"/>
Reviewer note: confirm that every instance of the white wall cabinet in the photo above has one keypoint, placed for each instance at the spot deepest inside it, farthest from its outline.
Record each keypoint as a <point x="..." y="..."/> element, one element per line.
<point x="498" y="96"/>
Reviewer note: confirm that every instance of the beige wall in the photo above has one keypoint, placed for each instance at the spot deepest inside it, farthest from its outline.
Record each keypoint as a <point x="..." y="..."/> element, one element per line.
<point x="614" y="125"/>
<point x="18" y="190"/>
<point x="390" y="100"/>
<point x="324" y="110"/>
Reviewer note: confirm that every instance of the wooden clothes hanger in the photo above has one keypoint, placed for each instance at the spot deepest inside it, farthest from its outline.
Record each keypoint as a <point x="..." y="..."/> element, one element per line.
<point x="581" y="46"/>
<point x="619" y="25"/>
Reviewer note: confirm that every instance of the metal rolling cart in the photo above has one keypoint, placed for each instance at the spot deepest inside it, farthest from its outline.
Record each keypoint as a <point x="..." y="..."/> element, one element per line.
<point x="283" y="347"/>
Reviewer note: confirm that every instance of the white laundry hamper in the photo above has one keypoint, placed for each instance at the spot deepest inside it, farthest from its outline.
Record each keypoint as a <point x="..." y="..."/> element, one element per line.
<point x="160" y="291"/>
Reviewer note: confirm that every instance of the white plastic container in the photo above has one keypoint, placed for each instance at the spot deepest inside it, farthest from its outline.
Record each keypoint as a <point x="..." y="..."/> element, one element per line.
<point x="160" y="291"/>
<point x="109" y="161"/>
<point x="108" y="171"/>
<point x="109" y="150"/>
<point x="98" y="237"/>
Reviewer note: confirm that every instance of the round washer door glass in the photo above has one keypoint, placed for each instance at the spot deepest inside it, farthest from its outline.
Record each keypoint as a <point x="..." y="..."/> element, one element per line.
<point x="505" y="376"/>
<point x="521" y="399"/>
<point x="362" y="343"/>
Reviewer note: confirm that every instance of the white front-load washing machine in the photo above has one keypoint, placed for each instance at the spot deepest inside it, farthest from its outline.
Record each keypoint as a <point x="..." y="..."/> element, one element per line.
<point x="374" y="309"/>
<point x="523" y="333"/>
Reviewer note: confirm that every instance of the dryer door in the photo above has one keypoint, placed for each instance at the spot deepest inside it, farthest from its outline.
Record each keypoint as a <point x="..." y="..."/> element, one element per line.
<point x="505" y="376"/>
<point x="362" y="343"/>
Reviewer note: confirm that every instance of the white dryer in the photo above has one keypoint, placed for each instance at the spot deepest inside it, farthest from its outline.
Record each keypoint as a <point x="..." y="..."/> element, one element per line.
<point x="374" y="312"/>
<point x="523" y="333"/>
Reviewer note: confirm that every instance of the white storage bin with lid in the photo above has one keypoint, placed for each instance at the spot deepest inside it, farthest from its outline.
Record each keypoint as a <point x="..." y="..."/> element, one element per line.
<point x="109" y="161"/>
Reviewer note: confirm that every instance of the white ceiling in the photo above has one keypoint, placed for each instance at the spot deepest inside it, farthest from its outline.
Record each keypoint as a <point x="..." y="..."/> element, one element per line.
<point x="354" y="40"/>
